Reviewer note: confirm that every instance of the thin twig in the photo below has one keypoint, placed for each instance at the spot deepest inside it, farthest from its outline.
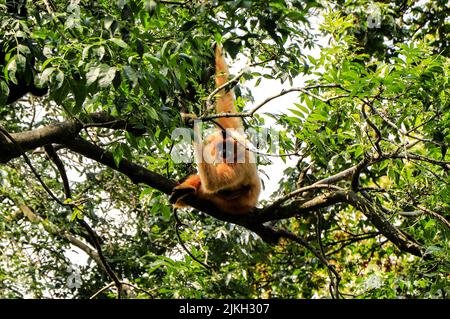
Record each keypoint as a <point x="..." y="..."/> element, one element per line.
<point x="122" y="283"/>
<point x="298" y="89"/>
<point x="231" y="83"/>
<point x="304" y="243"/>
<point x="396" y="128"/>
<point x="94" y="237"/>
<point x="411" y="156"/>
<point x="30" y="165"/>
<point x="301" y="190"/>
<point x="53" y="196"/>
<point x="179" y="224"/>
<point x="250" y="113"/>
<point x="351" y="241"/>
<point x="375" y="129"/>
<point x="255" y="151"/>
<point x="102" y="290"/>
<point x="226" y="85"/>
<point x="333" y="284"/>
<point x="434" y="214"/>
<point x="422" y="124"/>
<point x="137" y="288"/>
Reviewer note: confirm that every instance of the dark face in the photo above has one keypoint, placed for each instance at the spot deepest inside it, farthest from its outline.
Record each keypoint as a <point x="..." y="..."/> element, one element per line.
<point x="227" y="148"/>
<point x="223" y="148"/>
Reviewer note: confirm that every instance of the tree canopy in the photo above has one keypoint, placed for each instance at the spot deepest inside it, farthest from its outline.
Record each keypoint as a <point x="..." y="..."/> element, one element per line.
<point x="91" y="91"/>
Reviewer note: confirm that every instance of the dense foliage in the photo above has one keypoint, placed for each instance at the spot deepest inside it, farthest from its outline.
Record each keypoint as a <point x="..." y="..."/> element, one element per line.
<point x="85" y="155"/>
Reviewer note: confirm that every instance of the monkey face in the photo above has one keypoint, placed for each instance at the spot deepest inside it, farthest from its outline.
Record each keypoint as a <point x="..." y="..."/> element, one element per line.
<point x="227" y="149"/>
<point x="224" y="148"/>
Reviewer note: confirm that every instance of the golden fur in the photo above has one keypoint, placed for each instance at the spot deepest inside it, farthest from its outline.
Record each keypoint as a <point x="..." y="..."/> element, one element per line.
<point x="227" y="173"/>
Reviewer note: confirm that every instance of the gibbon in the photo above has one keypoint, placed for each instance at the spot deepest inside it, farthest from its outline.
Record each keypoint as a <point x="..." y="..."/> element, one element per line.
<point x="227" y="173"/>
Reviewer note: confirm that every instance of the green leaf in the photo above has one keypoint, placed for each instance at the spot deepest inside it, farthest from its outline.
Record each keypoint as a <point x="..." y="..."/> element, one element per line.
<point x="119" y="42"/>
<point x="317" y="117"/>
<point x="10" y="70"/>
<point x="58" y="79"/>
<point x="166" y="213"/>
<point x="25" y="50"/>
<point x="131" y="139"/>
<point x="188" y="26"/>
<point x="430" y="224"/>
<point x="85" y="53"/>
<point x="118" y="155"/>
<point x="46" y="76"/>
<point x="150" y="6"/>
<point x="49" y="60"/>
<point x="302" y="108"/>
<point x="152" y="112"/>
<point x="106" y="75"/>
<point x="358" y="151"/>
<point x="130" y="74"/>
<point x="92" y="75"/>
<point x="77" y="213"/>
<point x="109" y="20"/>
<point x="165" y="48"/>
<point x="21" y="62"/>
<point x="4" y="93"/>
<point x="299" y="114"/>
<point x="60" y="94"/>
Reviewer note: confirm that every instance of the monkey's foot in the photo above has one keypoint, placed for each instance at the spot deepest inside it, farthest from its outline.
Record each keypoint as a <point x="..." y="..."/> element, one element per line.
<point x="181" y="191"/>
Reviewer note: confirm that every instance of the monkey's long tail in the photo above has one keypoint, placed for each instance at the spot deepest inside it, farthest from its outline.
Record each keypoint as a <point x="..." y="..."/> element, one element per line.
<point x="225" y="99"/>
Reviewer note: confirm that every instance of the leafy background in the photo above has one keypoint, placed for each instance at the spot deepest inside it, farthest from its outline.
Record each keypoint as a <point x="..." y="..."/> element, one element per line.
<point x="377" y="97"/>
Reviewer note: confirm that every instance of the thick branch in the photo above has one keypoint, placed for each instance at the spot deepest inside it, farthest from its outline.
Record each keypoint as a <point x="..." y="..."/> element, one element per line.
<point x="58" y="133"/>
<point x="255" y="220"/>
<point x="136" y="173"/>
<point x="348" y="197"/>
<point x="384" y="226"/>
<point x="30" y="140"/>
<point x="297" y="207"/>
<point x="65" y="133"/>
<point x="103" y="119"/>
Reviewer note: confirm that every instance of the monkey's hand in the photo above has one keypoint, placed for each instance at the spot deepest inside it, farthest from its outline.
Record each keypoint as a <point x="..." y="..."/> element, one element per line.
<point x="188" y="118"/>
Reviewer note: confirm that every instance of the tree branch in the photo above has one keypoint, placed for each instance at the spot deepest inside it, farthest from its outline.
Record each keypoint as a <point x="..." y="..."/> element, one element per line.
<point x="255" y="220"/>
<point x="304" y="90"/>
<point x="250" y="113"/>
<point x="230" y="84"/>
<point x="136" y="173"/>
<point x="30" y="140"/>
<point x="52" y="229"/>
<point x="93" y="235"/>
<point x="58" y="133"/>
